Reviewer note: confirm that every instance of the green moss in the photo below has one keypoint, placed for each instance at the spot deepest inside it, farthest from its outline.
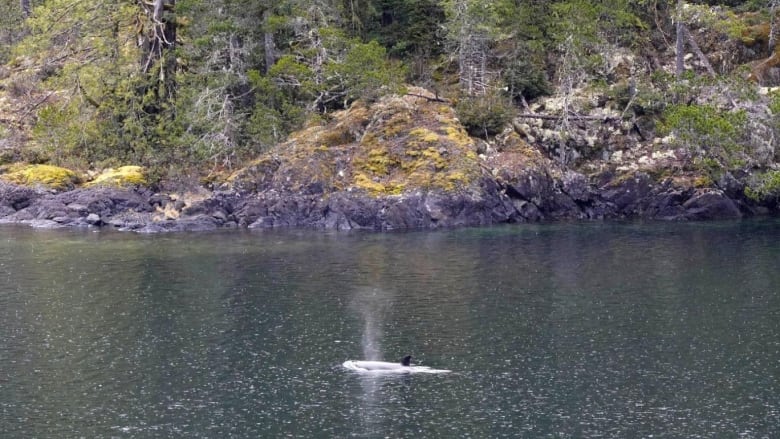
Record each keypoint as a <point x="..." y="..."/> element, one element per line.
<point x="435" y="158"/>
<point x="703" y="181"/>
<point x="397" y="123"/>
<point x="120" y="177"/>
<point x="376" y="188"/>
<point x="335" y="137"/>
<point x="49" y="176"/>
<point x="458" y="136"/>
<point x="379" y="161"/>
<point x="423" y="135"/>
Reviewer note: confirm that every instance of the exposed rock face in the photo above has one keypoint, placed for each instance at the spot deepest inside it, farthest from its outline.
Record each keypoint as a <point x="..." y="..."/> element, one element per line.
<point x="346" y="211"/>
<point x="529" y="196"/>
<point x="402" y="163"/>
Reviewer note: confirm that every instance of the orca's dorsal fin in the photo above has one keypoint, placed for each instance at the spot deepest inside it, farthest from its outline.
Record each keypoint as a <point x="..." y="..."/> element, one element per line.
<point x="406" y="361"/>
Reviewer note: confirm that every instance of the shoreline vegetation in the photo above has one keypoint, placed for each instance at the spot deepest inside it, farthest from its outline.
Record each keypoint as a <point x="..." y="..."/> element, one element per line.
<point x="386" y="115"/>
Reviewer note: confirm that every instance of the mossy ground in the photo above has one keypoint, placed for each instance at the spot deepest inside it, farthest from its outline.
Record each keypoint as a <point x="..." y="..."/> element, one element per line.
<point x="52" y="177"/>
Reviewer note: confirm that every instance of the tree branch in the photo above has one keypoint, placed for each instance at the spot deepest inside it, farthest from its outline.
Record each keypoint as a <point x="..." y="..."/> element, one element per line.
<point x="573" y="117"/>
<point x="430" y="99"/>
<point x="699" y="53"/>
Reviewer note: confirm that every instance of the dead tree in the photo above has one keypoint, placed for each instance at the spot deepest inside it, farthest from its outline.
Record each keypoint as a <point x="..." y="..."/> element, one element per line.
<point x="472" y="49"/>
<point x="26" y="8"/>
<point x="472" y="65"/>
<point x="680" y="42"/>
<point x="157" y="39"/>
<point x="772" y="26"/>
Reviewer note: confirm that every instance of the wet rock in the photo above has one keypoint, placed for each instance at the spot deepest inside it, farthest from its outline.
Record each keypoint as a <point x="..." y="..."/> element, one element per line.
<point x="45" y="224"/>
<point x="710" y="205"/>
<point x="93" y="219"/>
<point x="16" y="197"/>
<point x="576" y="186"/>
<point x="628" y="193"/>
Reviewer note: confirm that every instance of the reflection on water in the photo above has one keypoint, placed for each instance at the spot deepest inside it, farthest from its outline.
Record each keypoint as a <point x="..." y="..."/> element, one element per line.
<point x="589" y="330"/>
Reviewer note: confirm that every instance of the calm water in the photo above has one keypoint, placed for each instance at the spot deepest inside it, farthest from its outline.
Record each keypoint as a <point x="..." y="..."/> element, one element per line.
<point x="590" y="330"/>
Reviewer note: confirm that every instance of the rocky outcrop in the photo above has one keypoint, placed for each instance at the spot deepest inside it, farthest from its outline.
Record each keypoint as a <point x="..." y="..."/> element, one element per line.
<point x="526" y="196"/>
<point x="403" y="163"/>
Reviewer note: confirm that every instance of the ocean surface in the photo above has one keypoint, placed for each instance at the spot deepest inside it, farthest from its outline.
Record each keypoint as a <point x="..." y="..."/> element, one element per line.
<point x="590" y="330"/>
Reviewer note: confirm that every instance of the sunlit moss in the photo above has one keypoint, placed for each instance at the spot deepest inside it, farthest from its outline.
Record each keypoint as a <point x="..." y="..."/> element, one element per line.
<point x="394" y="145"/>
<point x="53" y="177"/>
<point x="423" y="135"/>
<point x="124" y="176"/>
<point x="458" y="135"/>
<point x="703" y="181"/>
<point x="376" y="188"/>
<point x="379" y="161"/>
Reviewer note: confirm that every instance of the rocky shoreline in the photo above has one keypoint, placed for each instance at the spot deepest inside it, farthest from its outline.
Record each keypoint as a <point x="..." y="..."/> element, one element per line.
<point x="536" y="198"/>
<point x="406" y="162"/>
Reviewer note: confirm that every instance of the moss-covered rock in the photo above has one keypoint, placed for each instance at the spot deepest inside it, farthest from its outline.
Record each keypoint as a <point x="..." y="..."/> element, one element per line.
<point x="396" y="145"/>
<point x="52" y="177"/>
<point x="124" y="176"/>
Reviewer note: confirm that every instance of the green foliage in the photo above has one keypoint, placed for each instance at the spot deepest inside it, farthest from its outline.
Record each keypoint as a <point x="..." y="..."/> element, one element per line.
<point x="337" y="73"/>
<point x="244" y="74"/>
<point x="55" y="133"/>
<point x="408" y="28"/>
<point x="274" y="115"/>
<point x="484" y="116"/>
<point x="366" y="73"/>
<point x="526" y="80"/>
<point x="713" y="135"/>
<point x="11" y="27"/>
<point x="765" y="187"/>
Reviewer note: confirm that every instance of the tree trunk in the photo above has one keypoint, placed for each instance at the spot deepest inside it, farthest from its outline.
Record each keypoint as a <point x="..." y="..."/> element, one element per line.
<point x="680" y="46"/>
<point x="26" y="9"/>
<point x="158" y="42"/>
<point x="772" y="26"/>
<point x="268" y="42"/>
<point x="702" y="57"/>
<point x="472" y="52"/>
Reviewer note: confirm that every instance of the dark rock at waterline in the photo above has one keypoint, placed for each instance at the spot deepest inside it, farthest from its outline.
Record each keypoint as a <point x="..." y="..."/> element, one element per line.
<point x="348" y="210"/>
<point x="14" y="198"/>
<point x="530" y="197"/>
<point x="711" y="205"/>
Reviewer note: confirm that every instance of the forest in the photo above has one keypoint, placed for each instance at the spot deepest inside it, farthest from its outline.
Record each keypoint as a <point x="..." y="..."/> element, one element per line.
<point x="195" y="86"/>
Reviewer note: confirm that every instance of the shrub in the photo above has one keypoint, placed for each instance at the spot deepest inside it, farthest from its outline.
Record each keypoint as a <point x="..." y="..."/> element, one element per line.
<point x="764" y="187"/>
<point x="713" y="136"/>
<point x="526" y="80"/>
<point x="484" y="116"/>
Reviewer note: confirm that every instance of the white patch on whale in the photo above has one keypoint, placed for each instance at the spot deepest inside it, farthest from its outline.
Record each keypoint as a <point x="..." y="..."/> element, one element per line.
<point x="386" y="367"/>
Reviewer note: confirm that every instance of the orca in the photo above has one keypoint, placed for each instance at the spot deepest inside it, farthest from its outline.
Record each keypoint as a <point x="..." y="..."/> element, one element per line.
<point x="405" y="366"/>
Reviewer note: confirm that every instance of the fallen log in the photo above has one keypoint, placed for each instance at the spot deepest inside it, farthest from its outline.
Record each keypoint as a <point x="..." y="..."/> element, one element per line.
<point x="572" y="117"/>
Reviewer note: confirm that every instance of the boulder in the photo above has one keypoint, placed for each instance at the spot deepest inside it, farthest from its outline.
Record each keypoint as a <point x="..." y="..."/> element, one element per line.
<point x="46" y="176"/>
<point x="711" y="205"/>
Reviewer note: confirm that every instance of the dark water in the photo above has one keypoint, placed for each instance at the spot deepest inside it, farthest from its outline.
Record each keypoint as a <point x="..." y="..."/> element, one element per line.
<point x="590" y="330"/>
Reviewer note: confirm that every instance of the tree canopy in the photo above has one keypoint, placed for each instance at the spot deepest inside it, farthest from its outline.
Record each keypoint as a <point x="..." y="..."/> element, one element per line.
<point x="211" y="83"/>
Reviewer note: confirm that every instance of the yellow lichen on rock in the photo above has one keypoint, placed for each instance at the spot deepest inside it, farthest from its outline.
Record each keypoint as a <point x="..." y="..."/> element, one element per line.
<point x="52" y="177"/>
<point x="414" y="143"/>
<point x="400" y="143"/>
<point x="458" y="135"/>
<point x="125" y="176"/>
<point x="364" y="182"/>
<point x="423" y="135"/>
